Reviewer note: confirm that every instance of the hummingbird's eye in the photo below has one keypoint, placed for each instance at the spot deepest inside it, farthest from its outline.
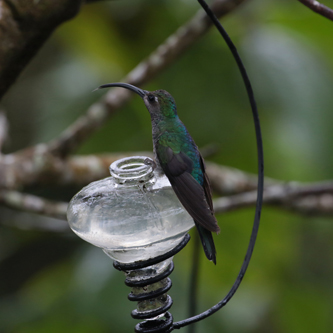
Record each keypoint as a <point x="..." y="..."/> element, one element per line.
<point x="151" y="98"/>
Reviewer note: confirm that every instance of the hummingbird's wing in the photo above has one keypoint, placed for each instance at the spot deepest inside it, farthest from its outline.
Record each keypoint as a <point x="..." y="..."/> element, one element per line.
<point x="206" y="185"/>
<point x="195" y="198"/>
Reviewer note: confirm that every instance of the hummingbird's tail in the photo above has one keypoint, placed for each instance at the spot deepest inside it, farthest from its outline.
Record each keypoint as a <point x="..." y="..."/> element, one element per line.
<point x="207" y="243"/>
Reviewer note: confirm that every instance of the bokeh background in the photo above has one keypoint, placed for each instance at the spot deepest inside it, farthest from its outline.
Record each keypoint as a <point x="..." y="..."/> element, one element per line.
<point x="51" y="281"/>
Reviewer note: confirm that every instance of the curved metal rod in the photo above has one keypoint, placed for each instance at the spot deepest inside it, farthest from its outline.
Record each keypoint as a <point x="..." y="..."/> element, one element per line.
<point x="260" y="188"/>
<point x="194" y="279"/>
<point x="152" y="261"/>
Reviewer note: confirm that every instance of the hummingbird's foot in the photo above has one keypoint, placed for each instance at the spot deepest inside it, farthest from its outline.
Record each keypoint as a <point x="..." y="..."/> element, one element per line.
<point x="150" y="162"/>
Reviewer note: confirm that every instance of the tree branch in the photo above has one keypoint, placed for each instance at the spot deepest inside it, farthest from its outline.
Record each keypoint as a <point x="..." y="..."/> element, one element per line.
<point x="33" y="204"/>
<point x="24" y="27"/>
<point x="164" y="55"/>
<point x="36" y="166"/>
<point x="309" y="199"/>
<point x="313" y="198"/>
<point x="318" y="8"/>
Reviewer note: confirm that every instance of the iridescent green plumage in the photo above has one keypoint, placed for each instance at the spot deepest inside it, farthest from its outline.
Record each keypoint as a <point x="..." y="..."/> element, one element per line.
<point x="178" y="156"/>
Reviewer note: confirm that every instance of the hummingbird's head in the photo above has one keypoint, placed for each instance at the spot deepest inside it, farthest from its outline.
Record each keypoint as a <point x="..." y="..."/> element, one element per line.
<point x="159" y="103"/>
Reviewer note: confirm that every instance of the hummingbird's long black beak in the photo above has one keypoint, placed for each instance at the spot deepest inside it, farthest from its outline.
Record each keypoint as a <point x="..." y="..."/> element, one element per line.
<point x="135" y="89"/>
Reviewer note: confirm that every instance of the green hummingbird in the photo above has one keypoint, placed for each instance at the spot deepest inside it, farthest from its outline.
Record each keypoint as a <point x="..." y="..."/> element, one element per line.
<point x="179" y="158"/>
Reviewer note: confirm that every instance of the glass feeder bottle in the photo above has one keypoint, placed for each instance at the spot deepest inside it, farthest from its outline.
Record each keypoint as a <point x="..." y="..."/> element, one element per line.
<point x="134" y="216"/>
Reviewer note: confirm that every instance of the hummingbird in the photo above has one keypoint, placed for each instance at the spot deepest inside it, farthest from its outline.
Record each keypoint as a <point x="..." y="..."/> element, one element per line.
<point x="177" y="155"/>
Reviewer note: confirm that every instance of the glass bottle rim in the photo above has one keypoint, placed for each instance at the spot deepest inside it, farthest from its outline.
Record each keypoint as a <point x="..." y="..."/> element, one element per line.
<point x="131" y="169"/>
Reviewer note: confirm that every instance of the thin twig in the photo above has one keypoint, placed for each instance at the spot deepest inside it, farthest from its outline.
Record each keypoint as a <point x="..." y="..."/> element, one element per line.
<point x="165" y="54"/>
<point x="318" y="8"/>
<point x="309" y="199"/>
<point x="33" y="204"/>
<point x="226" y="180"/>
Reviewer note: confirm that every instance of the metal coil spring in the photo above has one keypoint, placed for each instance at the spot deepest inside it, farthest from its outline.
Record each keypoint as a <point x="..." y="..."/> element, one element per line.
<point x="164" y="324"/>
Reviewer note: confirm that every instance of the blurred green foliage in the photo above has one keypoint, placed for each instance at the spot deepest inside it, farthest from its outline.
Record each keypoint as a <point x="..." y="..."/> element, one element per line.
<point x="53" y="282"/>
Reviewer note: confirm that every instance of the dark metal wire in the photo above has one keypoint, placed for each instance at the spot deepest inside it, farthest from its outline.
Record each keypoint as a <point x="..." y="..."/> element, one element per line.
<point x="153" y="313"/>
<point x="144" y="282"/>
<point x="255" y="228"/>
<point x="158" y="326"/>
<point x="145" y="263"/>
<point x="193" y="292"/>
<point x="153" y="294"/>
<point x="153" y="325"/>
